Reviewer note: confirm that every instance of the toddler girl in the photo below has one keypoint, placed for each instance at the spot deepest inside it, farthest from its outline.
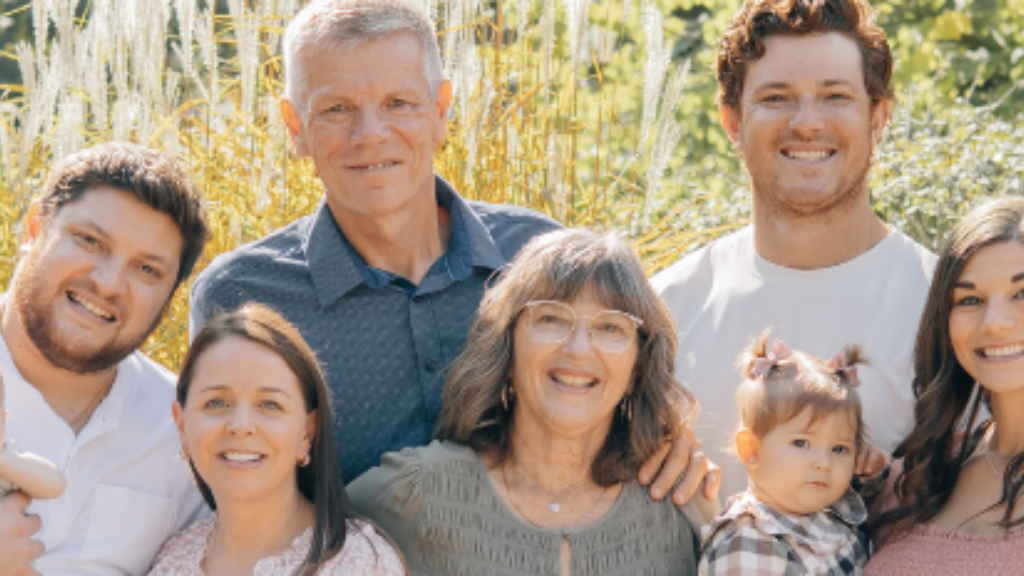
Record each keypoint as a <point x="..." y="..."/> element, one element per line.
<point x="37" y="477"/>
<point x="800" y="437"/>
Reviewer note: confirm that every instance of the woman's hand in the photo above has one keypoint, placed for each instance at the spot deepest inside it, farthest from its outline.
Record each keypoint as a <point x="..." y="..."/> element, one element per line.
<point x="871" y="460"/>
<point x="681" y="461"/>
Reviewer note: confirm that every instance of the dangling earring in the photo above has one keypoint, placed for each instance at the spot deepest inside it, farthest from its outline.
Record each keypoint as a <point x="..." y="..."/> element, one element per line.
<point x="626" y="408"/>
<point x="305" y="460"/>
<point x="183" y="454"/>
<point x="508" y="394"/>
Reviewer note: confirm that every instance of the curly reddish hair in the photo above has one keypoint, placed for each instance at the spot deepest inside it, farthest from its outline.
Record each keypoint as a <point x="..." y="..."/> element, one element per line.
<point x="758" y="20"/>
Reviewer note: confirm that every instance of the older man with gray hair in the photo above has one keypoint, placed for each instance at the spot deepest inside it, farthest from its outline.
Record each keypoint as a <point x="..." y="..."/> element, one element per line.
<point x="384" y="279"/>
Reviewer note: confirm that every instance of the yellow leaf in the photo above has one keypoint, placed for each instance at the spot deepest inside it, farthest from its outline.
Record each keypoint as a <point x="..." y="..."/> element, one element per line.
<point x="952" y="25"/>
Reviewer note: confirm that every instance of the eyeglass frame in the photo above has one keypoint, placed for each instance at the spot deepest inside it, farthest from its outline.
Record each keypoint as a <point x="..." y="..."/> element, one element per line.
<point x="637" y="323"/>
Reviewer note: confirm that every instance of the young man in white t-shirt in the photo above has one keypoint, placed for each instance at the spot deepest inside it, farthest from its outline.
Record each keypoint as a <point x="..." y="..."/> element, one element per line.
<point x="114" y="232"/>
<point x="804" y="97"/>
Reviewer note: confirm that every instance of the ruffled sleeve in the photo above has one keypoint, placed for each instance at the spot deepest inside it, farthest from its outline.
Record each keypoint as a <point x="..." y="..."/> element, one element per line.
<point x="366" y="553"/>
<point x="391" y="496"/>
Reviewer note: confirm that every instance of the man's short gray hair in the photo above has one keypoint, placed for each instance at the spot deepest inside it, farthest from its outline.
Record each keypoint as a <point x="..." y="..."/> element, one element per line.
<point x="346" y="24"/>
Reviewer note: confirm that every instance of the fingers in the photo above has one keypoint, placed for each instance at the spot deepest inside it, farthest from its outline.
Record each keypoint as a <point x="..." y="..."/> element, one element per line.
<point x="860" y="463"/>
<point x="15" y="501"/>
<point x="681" y="451"/>
<point x="17" y="548"/>
<point x="712" y="481"/>
<point x="653" y="464"/>
<point x="692" y="478"/>
<point x="870" y="461"/>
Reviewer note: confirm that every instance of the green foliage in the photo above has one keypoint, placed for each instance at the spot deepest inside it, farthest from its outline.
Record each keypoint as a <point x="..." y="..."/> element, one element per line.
<point x="937" y="164"/>
<point x="958" y="48"/>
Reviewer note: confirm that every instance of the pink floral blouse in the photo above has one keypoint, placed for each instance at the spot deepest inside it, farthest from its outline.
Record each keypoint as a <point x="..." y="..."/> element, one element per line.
<point x="365" y="553"/>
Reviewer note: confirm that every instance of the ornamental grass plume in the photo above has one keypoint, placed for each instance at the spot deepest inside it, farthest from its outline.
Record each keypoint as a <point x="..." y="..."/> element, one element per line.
<point x="532" y="121"/>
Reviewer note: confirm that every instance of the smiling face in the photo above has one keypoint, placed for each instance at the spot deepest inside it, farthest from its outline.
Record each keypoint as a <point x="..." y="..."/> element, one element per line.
<point x="801" y="469"/>
<point x="571" y="387"/>
<point x="96" y="279"/>
<point x="244" y="423"/>
<point x="986" y="322"/>
<point x="370" y="123"/>
<point x="806" y="127"/>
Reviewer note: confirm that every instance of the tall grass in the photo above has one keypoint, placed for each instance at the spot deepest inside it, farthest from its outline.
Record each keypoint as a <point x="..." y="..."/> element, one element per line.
<point x="530" y="124"/>
<point x="574" y="108"/>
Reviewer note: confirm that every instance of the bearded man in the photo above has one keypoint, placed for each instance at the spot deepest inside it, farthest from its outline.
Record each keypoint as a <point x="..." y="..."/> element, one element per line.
<point x="114" y="232"/>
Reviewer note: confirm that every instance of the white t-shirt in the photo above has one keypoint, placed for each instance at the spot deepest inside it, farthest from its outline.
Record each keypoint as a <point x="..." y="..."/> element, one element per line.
<point x="724" y="295"/>
<point x="127" y="490"/>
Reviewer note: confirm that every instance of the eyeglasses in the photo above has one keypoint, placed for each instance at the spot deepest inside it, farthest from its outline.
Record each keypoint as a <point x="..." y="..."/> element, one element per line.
<point x="553" y="322"/>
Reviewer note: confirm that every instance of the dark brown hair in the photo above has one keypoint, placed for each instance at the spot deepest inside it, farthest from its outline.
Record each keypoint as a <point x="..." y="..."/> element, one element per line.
<point x="320" y="481"/>
<point x="743" y="41"/>
<point x="800" y="383"/>
<point x="560" y="266"/>
<point x="934" y="453"/>
<point x="146" y="174"/>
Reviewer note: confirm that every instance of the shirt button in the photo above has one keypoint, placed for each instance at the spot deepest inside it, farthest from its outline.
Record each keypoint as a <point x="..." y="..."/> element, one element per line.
<point x="430" y="365"/>
<point x="417" y="299"/>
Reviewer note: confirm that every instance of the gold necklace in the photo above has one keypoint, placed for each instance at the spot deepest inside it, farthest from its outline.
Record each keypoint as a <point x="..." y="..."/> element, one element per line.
<point x="565" y="530"/>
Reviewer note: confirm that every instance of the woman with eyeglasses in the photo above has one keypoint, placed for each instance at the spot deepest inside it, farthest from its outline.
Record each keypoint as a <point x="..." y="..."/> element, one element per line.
<point x="564" y="389"/>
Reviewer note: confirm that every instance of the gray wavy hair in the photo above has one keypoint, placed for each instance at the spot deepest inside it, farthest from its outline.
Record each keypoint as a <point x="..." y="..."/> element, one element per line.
<point x="346" y="24"/>
<point x="561" y="266"/>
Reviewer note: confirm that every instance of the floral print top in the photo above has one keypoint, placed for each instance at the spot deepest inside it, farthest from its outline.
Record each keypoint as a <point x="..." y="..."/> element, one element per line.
<point x="365" y="553"/>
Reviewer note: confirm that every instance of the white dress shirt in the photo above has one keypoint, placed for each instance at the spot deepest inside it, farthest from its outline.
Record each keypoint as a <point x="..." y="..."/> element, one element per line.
<point x="127" y="489"/>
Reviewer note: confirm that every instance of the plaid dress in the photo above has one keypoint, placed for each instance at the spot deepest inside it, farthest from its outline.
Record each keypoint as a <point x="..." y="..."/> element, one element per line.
<point x="752" y="539"/>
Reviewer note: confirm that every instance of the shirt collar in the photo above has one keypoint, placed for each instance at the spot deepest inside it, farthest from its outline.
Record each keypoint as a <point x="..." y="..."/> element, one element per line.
<point x="107" y="414"/>
<point x="336" y="268"/>
<point x="820" y="531"/>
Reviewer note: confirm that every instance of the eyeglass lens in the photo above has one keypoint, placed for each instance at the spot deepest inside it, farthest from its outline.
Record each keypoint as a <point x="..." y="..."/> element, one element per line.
<point x="611" y="330"/>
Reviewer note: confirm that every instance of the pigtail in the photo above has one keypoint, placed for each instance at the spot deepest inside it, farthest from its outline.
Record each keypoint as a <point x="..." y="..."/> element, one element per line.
<point x="844" y="365"/>
<point x="756" y="350"/>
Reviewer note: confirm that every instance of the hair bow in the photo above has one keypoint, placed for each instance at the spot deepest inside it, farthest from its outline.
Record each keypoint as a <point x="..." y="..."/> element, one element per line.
<point x="838" y="363"/>
<point x="762" y="365"/>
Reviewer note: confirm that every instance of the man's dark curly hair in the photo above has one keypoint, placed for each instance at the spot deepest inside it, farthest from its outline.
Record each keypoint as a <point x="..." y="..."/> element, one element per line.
<point x="758" y="20"/>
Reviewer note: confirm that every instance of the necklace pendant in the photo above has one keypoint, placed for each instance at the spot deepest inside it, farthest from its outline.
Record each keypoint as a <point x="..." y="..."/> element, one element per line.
<point x="555" y="507"/>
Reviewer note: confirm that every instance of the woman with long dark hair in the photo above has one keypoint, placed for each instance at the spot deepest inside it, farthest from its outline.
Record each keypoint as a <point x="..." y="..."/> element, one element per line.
<point x="255" y="422"/>
<point x="954" y="505"/>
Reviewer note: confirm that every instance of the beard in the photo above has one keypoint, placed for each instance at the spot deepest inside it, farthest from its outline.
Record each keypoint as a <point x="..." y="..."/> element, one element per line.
<point x="781" y="202"/>
<point x="35" y="302"/>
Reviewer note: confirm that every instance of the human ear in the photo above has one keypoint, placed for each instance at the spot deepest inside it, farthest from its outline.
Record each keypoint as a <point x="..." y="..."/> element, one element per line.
<point x="33" y="222"/>
<point x="442" y="101"/>
<point x="879" y="119"/>
<point x="179" y="421"/>
<point x="307" y="440"/>
<point x="731" y="121"/>
<point x="293" y="121"/>
<point x="748" y="447"/>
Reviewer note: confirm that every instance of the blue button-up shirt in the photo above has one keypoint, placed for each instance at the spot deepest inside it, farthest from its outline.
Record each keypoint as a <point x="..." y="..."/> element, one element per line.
<point x="383" y="342"/>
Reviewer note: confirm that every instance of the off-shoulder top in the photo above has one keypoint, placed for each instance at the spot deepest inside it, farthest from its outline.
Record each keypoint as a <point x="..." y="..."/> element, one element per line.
<point x="439" y="505"/>
<point x="931" y="551"/>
